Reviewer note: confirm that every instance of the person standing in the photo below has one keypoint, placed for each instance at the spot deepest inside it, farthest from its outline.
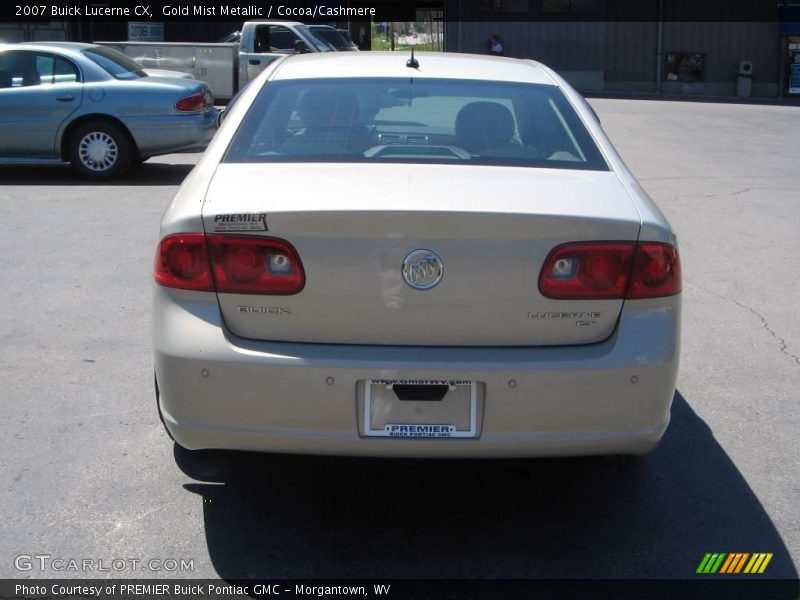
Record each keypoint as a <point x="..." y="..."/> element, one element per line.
<point x="496" y="45"/>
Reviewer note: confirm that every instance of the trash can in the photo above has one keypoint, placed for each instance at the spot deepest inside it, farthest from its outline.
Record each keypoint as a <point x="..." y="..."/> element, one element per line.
<point x="744" y="83"/>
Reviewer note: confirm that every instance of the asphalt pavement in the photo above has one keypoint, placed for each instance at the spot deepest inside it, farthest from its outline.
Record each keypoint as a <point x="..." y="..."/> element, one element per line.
<point x="88" y="473"/>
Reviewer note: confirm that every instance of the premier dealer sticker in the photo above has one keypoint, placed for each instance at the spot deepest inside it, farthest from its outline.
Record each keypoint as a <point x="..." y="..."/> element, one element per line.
<point x="241" y="222"/>
<point x="418" y="430"/>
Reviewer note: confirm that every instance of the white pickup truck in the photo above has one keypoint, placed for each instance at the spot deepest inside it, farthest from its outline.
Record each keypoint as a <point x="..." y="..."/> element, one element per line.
<point x="226" y="67"/>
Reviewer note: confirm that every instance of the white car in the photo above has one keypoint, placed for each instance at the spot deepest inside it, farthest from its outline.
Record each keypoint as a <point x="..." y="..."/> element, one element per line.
<point x="436" y="256"/>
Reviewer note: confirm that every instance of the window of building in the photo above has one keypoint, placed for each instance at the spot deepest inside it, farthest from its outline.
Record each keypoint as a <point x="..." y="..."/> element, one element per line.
<point x="686" y="67"/>
<point x="793" y="45"/>
<point x="501" y="6"/>
<point x="574" y="7"/>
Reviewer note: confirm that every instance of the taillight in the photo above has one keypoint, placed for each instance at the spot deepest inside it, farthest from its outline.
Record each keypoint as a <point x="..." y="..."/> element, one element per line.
<point x="611" y="270"/>
<point x="657" y="271"/>
<point x="194" y="103"/>
<point x="255" y="265"/>
<point x="228" y="263"/>
<point x="587" y="270"/>
<point x="182" y="262"/>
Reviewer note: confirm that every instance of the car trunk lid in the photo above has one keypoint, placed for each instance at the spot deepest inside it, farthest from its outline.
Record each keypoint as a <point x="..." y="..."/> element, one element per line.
<point x="353" y="226"/>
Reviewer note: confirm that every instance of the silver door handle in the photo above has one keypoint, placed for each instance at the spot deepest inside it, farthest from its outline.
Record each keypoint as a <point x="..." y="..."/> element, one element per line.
<point x="66" y="98"/>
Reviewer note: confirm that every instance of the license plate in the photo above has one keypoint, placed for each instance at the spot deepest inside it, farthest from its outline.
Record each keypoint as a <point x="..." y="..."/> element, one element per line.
<point x="403" y="408"/>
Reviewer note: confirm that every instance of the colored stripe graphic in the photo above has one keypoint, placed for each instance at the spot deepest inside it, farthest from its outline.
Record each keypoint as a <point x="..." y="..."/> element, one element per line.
<point x="734" y="563"/>
<point x="703" y="563"/>
<point x="741" y="562"/>
<point x="711" y="562"/>
<point x="731" y="563"/>
<point x="727" y="564"/>
<point x="758" y="563"/>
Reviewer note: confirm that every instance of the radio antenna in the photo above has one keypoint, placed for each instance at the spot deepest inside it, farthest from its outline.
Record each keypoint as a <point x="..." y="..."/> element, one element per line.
<point x="412" y="63"/>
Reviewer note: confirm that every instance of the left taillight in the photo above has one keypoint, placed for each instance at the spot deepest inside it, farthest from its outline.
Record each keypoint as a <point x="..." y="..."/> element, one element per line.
<point x="182" y="262"/>
<point x="229" y="264"/>
<point x="255" y="265"/>
<point x="195" y="103"/>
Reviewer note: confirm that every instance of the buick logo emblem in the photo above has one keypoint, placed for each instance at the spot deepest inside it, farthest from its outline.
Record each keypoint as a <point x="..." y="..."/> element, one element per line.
<point x="422" y="269"/>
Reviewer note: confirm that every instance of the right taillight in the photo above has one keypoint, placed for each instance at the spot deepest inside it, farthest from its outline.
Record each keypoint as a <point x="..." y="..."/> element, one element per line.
<point x="656" y="272"/>
<point x="228" y="264"/>
<point x="192" y="104"/>
<point x="610" y="270"/>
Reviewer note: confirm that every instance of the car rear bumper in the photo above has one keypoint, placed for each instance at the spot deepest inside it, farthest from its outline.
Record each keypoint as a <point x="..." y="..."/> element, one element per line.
<point x="156" y="135"/>
<point x="220" y="391"/>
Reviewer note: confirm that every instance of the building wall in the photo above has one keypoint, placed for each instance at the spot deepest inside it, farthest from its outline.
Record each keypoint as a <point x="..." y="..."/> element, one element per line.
<point x="577" y="50"/>
<point x="631" y="57"/>
<point x="20" y="31"/>
<point x="725" y="44"/>
<point x="623" y="56"/>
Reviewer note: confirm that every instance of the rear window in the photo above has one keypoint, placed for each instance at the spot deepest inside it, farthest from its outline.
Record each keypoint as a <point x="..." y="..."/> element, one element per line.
<point x="115" y="63"/>
<point x="414" y="120"/>
<point x="319" y="44"/>
<point x="332" y="37"/>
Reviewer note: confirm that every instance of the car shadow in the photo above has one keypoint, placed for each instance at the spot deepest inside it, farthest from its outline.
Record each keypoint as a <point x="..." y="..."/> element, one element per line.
<point x="270" y="516"/>
<point x="146" y="174"/>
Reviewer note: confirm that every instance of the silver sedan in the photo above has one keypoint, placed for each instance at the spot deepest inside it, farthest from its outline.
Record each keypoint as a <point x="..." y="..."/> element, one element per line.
<point x="95" y="108"/>
<point x="433" y="257"/>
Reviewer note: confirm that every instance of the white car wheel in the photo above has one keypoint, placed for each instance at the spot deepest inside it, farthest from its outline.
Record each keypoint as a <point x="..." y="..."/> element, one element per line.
<point x="100" y="149"/>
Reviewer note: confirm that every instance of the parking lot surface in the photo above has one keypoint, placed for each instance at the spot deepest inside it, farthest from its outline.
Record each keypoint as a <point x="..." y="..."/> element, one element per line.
<point x="88" y="472"/>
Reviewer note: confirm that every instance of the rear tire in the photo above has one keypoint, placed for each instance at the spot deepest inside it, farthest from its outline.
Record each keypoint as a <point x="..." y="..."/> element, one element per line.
<point x="100" y="150"/>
